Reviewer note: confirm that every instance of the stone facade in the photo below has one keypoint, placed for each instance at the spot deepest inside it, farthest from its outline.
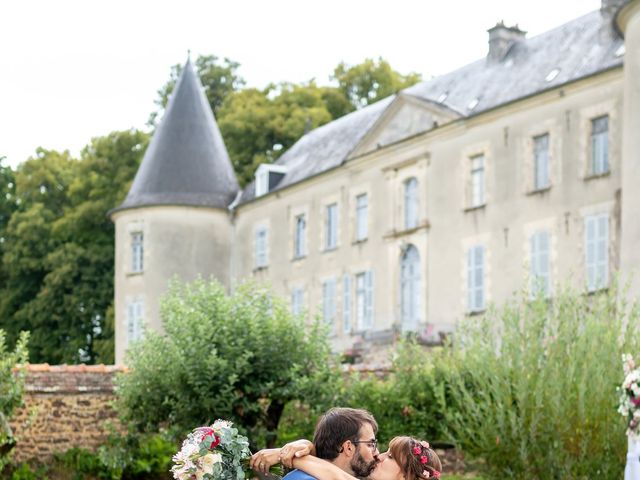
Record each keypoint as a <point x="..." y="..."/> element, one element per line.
<point x="64" y="407"/>
<point x="555" y="85"/>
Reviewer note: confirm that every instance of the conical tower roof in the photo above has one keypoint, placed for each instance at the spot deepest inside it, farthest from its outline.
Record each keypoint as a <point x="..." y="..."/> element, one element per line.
<point x="186" y="162"/>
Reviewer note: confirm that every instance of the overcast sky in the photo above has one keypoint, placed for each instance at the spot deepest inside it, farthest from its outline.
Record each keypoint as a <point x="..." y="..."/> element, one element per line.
<point x="72" y="70"/>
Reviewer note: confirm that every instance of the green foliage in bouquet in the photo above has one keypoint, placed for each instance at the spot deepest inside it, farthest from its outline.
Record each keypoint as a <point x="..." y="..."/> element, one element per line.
<point x="533" y="392"/>
<point x="241" y="357"/>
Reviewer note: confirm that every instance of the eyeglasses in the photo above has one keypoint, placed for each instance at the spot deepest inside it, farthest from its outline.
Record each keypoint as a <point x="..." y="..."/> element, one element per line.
<point x="372" y="444"/>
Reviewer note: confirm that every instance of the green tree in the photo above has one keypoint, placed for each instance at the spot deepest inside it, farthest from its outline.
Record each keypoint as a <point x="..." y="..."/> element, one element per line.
<point x="59" y="256"/>
<point x="240" y="357"/>
<point x="371" y="80"/>
<point x="219" y="79"/>
<point x="8" y="205"/>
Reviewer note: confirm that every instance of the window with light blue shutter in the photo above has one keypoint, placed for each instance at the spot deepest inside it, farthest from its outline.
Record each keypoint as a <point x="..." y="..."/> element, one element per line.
<point x="539" y="277"/>
<point x="411" y="203"/>
<point x="346" y="304"/>
<point x="297" y="301"/>
<point x="368" y="312"/>
<point x="410" y="289"/>
<point x="477" y="181"/>
<point x="541" y="161"/>
<point x="597" y="251"/>
<point x="329" y="301"/>
<point x="600" y="145"/>
<point x="331" y="226"/>
<point x="137" y="252"/>
<point x="299" y="241"/>
<point x="261" y="259"/>
<point x="135" y="323"/>
<point x="362" y="212"/>
<point x="475" y="279"/>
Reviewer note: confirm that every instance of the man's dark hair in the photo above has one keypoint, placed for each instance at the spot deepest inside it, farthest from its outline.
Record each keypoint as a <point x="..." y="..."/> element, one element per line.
<point x="337" y="426"/>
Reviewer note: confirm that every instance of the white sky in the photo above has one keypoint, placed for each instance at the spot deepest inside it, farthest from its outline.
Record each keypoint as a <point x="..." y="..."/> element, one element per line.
<point x="72" y="70"/>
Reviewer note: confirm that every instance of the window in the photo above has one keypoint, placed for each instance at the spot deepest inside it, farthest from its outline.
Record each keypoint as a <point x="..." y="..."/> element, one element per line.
<point x="362" y="212"/>
<point x="475" y="279"/>
<point x="137" y="252"/>
<point x="600" y="145"/>
<point x="477" y="181"/>
<point x="261" y="259"/>
<point x="364" y="300"/>
<point x="411" y="203"/>
<point x="540" y="262"/>
<point x="541" y="162"/>
<point x="331" y="227"/>
<point x="346" y="304"/>
<point x="135" y="314"/>
<point x="299" y="248"/>
<point x="329" y="301"/>
<point x="297" y="301"/>
<point x="410" y="289"/>
<point x="597" y="251"/>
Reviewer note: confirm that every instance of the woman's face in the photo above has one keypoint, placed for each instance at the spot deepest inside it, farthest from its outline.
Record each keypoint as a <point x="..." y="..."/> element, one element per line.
<point x="387" y="469"/>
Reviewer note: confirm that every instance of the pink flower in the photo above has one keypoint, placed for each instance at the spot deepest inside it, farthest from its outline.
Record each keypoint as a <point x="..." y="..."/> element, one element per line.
<point x="423" y="459"/>
<point x="417" y="450"/>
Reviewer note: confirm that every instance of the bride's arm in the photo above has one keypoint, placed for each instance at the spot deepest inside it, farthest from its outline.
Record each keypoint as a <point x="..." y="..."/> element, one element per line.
<point x="321" y="469"/>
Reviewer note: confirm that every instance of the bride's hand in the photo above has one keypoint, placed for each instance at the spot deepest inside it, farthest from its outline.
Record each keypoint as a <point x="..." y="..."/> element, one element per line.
<point x="296" y="449"/>
<point x="264" y="459"/>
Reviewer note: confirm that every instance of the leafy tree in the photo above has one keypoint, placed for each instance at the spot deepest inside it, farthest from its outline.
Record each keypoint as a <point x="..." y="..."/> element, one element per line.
<point x="241" y="357"/>
<point x="8" y="205"/>
<point x="59" y="255"/>
<point x="259" y="125"/>
<point x="371" y="80"/>
<point x="219" y="79"/>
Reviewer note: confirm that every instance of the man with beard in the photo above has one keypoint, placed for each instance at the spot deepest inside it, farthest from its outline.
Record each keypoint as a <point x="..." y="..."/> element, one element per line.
<point x="345" y="437"/>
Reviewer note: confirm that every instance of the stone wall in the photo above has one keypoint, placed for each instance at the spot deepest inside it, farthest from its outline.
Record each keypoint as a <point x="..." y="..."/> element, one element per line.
<point x="65" y="406"/>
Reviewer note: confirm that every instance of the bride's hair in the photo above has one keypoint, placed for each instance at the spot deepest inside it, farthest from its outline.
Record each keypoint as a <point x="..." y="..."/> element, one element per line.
<point x="416" y="460"/>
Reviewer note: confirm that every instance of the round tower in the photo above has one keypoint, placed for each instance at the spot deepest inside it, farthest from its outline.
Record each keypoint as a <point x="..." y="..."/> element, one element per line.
<point x="175" y="220"/>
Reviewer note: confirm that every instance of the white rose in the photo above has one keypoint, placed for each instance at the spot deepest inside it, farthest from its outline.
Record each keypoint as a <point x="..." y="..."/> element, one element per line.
<point x="209" y="460"/>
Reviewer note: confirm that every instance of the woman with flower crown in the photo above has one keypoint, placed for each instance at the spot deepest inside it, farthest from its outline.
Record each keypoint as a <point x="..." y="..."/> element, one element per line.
<point x="406" y="459"/>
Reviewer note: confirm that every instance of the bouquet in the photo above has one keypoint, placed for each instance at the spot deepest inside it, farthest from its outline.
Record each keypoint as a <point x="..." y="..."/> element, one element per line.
<point x="629" y="404"/>
<point x="217" y="452"/>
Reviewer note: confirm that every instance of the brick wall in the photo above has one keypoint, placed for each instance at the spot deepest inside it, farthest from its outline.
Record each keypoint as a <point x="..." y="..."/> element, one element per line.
<point x="65" y="406"/>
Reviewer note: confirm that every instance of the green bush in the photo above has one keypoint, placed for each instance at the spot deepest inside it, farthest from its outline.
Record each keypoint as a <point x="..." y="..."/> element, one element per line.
<point x="241" y="357"/>
<point x="11" y="389"/>
<point x="534" y="386"/>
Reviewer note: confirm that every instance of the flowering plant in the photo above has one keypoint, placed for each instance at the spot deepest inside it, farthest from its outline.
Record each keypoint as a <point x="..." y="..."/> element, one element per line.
<point x="217" y="452"/>
<point x="629" y="405"/>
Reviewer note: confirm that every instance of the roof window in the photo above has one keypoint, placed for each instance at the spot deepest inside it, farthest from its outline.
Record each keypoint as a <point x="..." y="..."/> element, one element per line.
<point x="620" y="51"/>
<point x="267" y="177"/>
<point x="473" y="104"/>
<point x="443" y="96"/>
<point x="552" y="74"/>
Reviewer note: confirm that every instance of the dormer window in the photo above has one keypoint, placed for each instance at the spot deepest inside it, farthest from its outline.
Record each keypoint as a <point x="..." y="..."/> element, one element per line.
<point x="552" y="75"/>
<point x="267" y="177"/>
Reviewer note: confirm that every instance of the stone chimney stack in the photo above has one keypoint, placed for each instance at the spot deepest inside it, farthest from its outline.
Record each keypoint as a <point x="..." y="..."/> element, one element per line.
<point x="502" y="38"/>
<point x="610" y="7"/>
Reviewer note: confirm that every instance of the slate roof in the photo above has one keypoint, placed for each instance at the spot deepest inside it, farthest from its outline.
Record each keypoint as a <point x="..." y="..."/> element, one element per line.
<point x="186" y="162"/>
<point x="579" y="48"/>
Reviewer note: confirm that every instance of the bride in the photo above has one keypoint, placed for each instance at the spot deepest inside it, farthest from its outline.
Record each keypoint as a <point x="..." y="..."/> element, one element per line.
<point x="406" y="459"/>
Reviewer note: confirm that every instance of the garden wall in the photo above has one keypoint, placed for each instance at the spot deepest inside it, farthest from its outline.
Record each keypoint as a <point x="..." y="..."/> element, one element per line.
<point x="65" y="406"/>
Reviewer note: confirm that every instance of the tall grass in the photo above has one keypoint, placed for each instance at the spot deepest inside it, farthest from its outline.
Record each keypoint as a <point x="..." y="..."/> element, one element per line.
<point x="534" y="389"/>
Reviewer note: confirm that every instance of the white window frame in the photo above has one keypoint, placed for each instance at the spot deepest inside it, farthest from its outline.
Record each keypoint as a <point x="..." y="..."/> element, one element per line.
<point x="261" y="247"/>
<point x="477" y="180"/>
<point x="596" y="242"/>
<point x="411" y="203"/>
<point x="540" y="267"/>
<point x="300" y="236"/>
<point x="476" y="295"/>
<point x="329" y="301"/>
<point x="410" y="290"/>
<point x="331" y="226"/>
<point x="346" y="303"/>
<point x="599" y="146"/>
<point x="137" y="252"/>
<point x="135" y="321"/>
<point x="541" y="171"/>
<point x="362" y="217"/>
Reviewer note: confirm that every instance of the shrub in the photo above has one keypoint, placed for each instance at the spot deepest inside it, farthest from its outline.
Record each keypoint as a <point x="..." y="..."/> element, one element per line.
<point x="241" y="357"/>
<point x="534" y="388"/>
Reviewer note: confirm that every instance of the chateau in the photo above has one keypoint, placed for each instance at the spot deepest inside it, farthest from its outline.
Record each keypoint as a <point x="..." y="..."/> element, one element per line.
<point x="518" y="171"/>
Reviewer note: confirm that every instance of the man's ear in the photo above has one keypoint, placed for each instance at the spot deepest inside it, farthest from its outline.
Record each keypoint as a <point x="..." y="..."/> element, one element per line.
<point x="348" y="448"/>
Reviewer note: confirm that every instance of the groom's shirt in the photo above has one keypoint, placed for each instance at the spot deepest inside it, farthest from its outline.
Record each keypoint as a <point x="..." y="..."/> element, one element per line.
<point x="298" y="475"/>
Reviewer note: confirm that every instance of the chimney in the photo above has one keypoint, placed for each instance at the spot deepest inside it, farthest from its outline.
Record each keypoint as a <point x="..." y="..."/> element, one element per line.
<point x="502" y="38"/>
<point x="609" y="8"/>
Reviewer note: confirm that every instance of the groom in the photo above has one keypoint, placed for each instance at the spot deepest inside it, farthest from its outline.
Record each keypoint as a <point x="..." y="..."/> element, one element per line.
<point x="345" y="437"/>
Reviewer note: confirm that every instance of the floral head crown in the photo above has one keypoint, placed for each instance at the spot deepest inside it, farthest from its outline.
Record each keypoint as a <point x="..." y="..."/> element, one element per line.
<point x="420" y="450"/>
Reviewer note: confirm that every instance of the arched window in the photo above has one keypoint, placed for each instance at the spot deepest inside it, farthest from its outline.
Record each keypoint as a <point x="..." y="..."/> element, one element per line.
<point x="410" y="203"/>
<point x="410" y="289"/>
